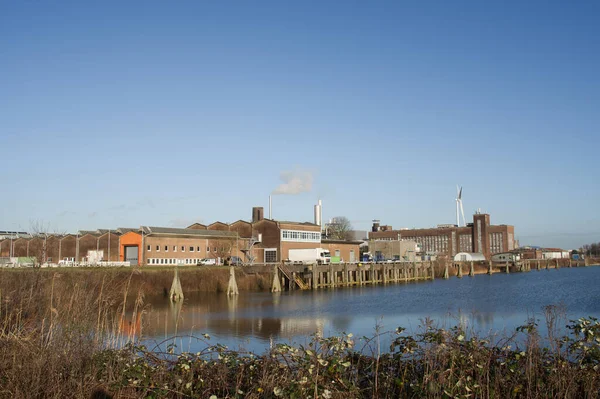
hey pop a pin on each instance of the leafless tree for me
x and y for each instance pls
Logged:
(41, 230)
(221, 248)
(340, 228)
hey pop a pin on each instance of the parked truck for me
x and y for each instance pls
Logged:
(310, 256)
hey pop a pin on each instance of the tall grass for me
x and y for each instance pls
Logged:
(64, 335)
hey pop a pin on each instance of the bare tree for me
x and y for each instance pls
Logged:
(42, 231)
(221, 248)
(340, 228)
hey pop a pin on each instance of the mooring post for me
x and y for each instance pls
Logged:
(459, 272)
(446, 274)
(416, 270)
(276, 286)
(490, 271)
(232, 288)
(507, 268)
(472, 270)
(547, 264)
(332, 277)
(432, 269)
(176, 293)
(537, 265)
(557, 265)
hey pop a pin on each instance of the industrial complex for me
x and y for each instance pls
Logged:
(262, 240)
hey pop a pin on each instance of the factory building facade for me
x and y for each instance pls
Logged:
(259, 241)
(477, 237)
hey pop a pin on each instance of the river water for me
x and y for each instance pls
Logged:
(488, 305)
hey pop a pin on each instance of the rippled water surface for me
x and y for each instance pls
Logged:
(485, 304)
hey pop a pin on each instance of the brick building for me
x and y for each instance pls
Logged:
(479, 236)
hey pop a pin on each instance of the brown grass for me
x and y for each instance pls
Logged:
(61, 334)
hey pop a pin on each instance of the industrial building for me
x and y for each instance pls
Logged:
(477, 237)
(261, 240)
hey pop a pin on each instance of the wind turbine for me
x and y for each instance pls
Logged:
(459, 207)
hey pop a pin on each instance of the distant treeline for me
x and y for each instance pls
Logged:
(591, 249)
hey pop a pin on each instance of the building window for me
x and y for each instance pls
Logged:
(191, 249)
(270, 255)
(158, 248)
(198, 249)
(166, 248)
(182, 248)
(148, 248)
(337, 253)
(300, 236)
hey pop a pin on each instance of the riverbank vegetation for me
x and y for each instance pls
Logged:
(62, 336)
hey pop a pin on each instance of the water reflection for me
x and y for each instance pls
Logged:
(481, 304)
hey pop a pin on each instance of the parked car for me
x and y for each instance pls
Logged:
(207, 262)
(234, 260)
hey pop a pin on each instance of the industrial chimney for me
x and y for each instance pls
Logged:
(318, 213)
(257, 214)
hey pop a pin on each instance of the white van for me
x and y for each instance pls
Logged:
(207, 262)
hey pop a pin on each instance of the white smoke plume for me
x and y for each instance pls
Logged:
(294, 182)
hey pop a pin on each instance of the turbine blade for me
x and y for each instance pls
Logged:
(460, 194)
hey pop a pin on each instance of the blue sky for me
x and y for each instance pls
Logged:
(160, 113)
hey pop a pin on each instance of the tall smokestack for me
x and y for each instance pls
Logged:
(270, 208)
(318, 213)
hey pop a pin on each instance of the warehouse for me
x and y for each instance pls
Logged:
(171, 246)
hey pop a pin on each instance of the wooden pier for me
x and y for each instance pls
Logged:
(314, 277)
(306, 277)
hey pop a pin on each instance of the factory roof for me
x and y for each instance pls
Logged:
(151, 230)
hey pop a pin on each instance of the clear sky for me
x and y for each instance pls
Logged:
(120, 114)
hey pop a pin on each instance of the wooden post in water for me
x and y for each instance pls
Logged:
(507, 268)
(557, 264)
(547, 264)
(332, 278)
(459, 272)
(490, 271)
(537, 265)
(232, 288)
(383, 275)
(276, 286)
(446, 274)
(176, 293)
(416, 270)
(345, 274)
(472, 270)
(432, 269)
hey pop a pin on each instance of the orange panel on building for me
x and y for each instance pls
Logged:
(130, 239)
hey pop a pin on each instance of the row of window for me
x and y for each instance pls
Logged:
(190, 248)
(161, 261)
(300, 236)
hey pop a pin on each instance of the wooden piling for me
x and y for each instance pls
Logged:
(176, 293)
(232, 288)
(472, 270)
(276, 286)
(446, 274)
